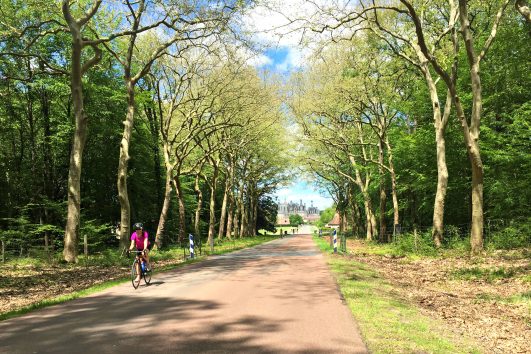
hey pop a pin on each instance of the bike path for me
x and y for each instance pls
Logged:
(278, 297)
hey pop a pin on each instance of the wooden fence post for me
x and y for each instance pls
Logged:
(85, 243)
(415, 237)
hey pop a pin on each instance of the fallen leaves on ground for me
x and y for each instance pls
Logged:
(491, 308)
(22, 286)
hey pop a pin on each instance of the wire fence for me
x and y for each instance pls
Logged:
(460, 231)
(33, 247)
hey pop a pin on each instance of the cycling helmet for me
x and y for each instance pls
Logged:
(138, 226)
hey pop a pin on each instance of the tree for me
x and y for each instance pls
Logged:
(187, 26)
(327, 215)
(295, 220)
(267, 214)
(78, 69)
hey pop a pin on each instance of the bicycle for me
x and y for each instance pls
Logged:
(144, 270)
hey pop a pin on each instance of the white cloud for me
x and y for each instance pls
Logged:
(273, 26)
(259, 60)
(295, 59)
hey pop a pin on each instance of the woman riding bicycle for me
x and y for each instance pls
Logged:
(139, 239)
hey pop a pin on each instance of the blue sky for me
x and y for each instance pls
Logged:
(284, 56)
(282, 60)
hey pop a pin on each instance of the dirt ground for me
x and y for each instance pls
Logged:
(492, 310)
(27, 285)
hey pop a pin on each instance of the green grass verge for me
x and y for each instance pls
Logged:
(388, 323)
(222, 247)
(226, 246)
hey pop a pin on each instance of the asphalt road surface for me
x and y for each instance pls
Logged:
(275, 298)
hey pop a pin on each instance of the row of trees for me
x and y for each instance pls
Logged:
(208, 123)
(392, 70)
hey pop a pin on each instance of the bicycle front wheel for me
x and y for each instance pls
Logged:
(147, 276)
(134, 274)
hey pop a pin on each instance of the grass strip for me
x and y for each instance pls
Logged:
(221, 248)
(388, 323)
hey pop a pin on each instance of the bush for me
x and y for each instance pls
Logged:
(455, 239)
(421, 244)
(99, 236)
(516, 235)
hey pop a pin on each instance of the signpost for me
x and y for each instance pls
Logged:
(335, 240)
(191, 237)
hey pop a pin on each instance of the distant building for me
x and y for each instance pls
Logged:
(286, 209)
(335, 222)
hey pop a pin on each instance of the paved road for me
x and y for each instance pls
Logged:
(275, 298)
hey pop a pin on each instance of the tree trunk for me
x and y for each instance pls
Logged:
(237, 212)
(471, 134)
(159, 238)
(394, 193)
(442, 184)
(383, 194)
(253, 229)
(212, 219)
(522, 7)
(197, 217)
(223, 215)
(357, 226)
(228, 232)
(476, 233)
(370, 219)
(182, 208)
(243, 215)
(70, 251)
(80, 135)
(440, 121)
(123, 162)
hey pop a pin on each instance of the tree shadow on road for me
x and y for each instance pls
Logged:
(116, 324)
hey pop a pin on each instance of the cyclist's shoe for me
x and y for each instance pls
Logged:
(137, 280)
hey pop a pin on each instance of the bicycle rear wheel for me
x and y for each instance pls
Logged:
(134, 274)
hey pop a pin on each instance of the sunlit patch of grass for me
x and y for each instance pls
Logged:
(24, 262)
(388, 323)
(226, 246)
